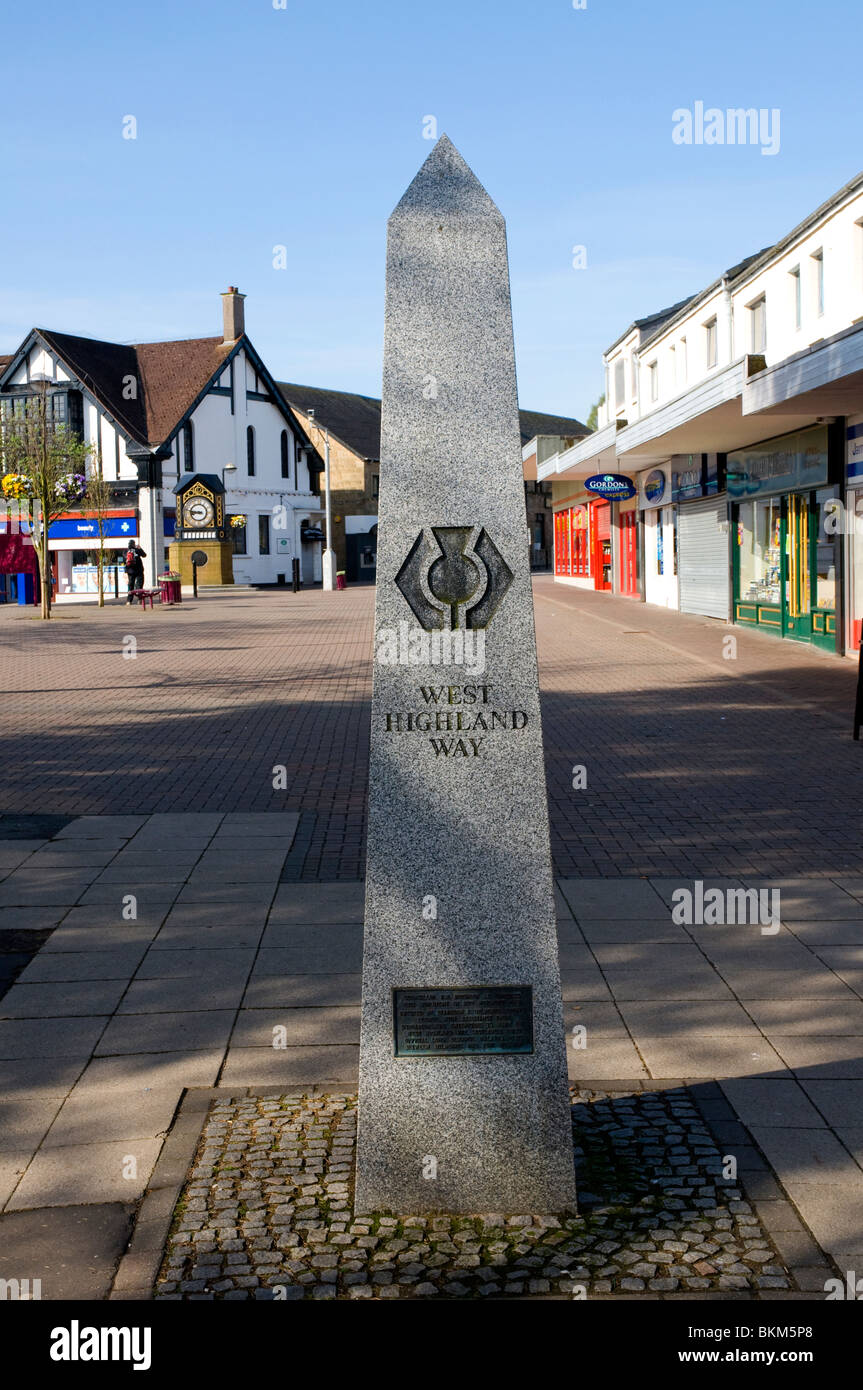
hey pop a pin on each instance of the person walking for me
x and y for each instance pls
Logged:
(134, 564)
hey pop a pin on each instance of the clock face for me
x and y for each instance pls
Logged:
(198, 512)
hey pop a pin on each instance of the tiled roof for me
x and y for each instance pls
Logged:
(170, 376)
(356, 420)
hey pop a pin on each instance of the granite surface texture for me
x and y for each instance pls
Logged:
(459, 886)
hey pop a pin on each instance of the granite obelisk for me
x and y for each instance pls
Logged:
(463, 1103)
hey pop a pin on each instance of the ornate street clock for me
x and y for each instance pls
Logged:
(202, 524)
(200, 508)
(198, 512)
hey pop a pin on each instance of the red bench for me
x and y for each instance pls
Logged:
(146, 596)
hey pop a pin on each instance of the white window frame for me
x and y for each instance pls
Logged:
(797, 292)
(711, 343)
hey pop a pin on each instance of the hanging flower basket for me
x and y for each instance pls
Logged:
(71, 489)
(238, 520)
(17, 486)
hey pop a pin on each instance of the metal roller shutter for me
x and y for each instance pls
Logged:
(702, 543)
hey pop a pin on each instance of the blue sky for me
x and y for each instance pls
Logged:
(302, 127)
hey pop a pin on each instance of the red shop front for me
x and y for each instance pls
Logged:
(572, 542)
(628, 576)
(600, 543)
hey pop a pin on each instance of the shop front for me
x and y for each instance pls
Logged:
(627, 549)
(659, 536)
(786, 551)
(854, 529)
(572, 544)
(698, 492)
(600, 543)
(75, 544)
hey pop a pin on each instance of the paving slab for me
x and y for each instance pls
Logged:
(150, 895)
(118, 963)
(38, 1078)
(303, 991)
(78, 1174)
(303, 1027)
(24, 1121)
(43, 1037)
(213, 963)
(807, 1155)
(68, 999)
(224, 895)
(334, 950)
(13, 1166)
(612, 898)
(32, 918)
(702, 1018)
(641, 931)
(113, 1113)
(695, 981)
(73, 1250)
(840, 1102)
(776, 1102)
(823, 1059)
(208, 927)
(295, 1066)
(846, 932)
(839, 1017)
(177, 1032)
(810, 898)
(184, 994)
(318, 904)
(729, 1056)
(158, 1070)
(84, 936)
(95, 827)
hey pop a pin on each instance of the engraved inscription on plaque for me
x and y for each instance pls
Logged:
(464, 1021)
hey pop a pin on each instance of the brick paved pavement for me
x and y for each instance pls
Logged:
(696, 764)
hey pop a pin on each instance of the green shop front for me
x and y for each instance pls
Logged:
(785, 549)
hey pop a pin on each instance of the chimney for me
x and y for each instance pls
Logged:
(233, 317)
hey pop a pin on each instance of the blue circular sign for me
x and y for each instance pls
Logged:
(614, 486)
(654, 487)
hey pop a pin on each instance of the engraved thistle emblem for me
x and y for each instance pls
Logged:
(454, 577)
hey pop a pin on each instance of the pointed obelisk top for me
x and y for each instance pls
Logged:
(446, 184)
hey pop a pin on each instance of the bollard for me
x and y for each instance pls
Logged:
(295, 576)
(194, 580)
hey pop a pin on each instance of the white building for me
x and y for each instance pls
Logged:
(155, 411)
(748, 397)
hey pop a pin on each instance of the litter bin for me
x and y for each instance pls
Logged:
(169, 589)
(340, 579)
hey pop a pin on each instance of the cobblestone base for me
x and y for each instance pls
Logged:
(268, 1213)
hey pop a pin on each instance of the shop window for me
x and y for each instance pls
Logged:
(825, 552)
(238, 540)
(710, 344)
(855, 546)
(285, 453)
(660, 543)
(264, 533)
(759, 533)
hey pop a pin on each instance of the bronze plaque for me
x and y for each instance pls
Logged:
(464, 1021)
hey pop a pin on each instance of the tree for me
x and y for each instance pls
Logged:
(593, 417)
(96, 503)
(44, 466)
